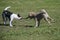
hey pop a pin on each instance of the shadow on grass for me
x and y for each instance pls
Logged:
(3, 24)
(15, 25)
(28, 26)
(25, 25)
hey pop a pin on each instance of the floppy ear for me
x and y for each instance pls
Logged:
(18, 15)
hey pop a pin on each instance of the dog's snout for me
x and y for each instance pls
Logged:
(21, 17)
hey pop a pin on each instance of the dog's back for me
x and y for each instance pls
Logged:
(7, 13)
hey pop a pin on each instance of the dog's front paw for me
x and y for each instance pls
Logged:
(35, 26)
(11, 25)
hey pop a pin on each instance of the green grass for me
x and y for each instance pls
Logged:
(19, 31)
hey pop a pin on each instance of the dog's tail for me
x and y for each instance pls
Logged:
(7, 8)
(43, 11)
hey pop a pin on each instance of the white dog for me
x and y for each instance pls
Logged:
(9, 15)
(39, 16)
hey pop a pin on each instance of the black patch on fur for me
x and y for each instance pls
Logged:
(39, 16)
(6, 14)
(19, 15)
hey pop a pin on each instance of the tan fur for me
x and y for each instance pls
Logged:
(38, 16)
(32, 13)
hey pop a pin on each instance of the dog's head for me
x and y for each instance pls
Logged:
(31, 15)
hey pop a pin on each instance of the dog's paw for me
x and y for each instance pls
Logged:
(35, 26)
(11, 26)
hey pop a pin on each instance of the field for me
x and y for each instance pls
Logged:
(19, 31)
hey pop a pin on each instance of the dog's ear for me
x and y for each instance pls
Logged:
(18, 15)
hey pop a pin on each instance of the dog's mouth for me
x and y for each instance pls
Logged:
(21, 18)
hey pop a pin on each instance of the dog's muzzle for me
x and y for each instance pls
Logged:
(20, 18)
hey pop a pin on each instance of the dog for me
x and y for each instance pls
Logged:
(6, 14)
(39, 16)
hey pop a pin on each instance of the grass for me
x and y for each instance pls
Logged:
(19, 31)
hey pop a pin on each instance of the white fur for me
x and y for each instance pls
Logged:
(14, 16)
(46, 16)
(7, 8)
(36, 24)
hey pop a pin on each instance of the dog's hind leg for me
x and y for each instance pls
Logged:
(38, 23)
(4, 18)
(52, 20)
(46, 19)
